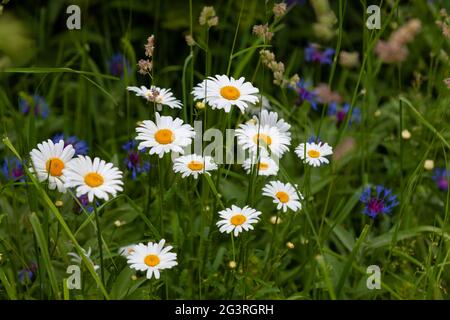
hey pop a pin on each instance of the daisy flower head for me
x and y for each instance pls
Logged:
(266, 166)
(193, 165)
(160, 96)
(315, 153)
(78, 259)
(127, 250)
(152, 258)
(237, 219)
(164, 136)
(268, 133)
(96, 178)
(378, 200)
(284, 195)
(48, 162)
(255, 109)
(223, 92)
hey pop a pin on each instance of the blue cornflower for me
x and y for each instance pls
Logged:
(441, 177)
(27, 102)
(80, 146)
(133, 160)
(28, 273)
(314, 54)
(84, 201)
(341, 112)
(313, 139)
(12, 169)
(118, 64)
(305, 94)
(378, 201)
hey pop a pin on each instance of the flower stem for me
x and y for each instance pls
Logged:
(99, 241)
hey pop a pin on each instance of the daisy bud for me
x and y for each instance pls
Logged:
(377, 113)
(290, 245)
(200, 105)
(232, 264)
(274, 220)
(119, 223)
(133, 277)
(406, 134)
(59, 203)
(428, 164)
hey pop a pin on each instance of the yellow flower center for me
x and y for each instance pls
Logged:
(54, 166)
(238, 219)
(230, 93)
(164, 136)
(151, 260)
(263, 166)
(313, 153)
(93, 179)
(264, 139)
(195, 165)
(282, 196)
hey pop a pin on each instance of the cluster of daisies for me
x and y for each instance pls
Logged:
(267, 138)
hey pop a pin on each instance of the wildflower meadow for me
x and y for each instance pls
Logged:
(240, 149)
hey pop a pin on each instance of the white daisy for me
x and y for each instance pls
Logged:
(269, 133)
(127, 250)
(93, 177)
(161, 96)
(165, 135)
(194, 165)
(236, 219)
(284, 195)
(315, 153)
(256, 108)
(222, 92)
(152, 258)
(266, 165)
(78, 260)
(48, 162)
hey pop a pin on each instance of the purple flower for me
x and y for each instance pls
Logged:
(85, 204)
(441, 177)
(378, 200)
(314, 139)
(28, 273)
(80, 146)
(340, 112)
(27, 102)
(12, 169)
(314, 54)
(133, 160)
(118, 64)
(305, 94)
